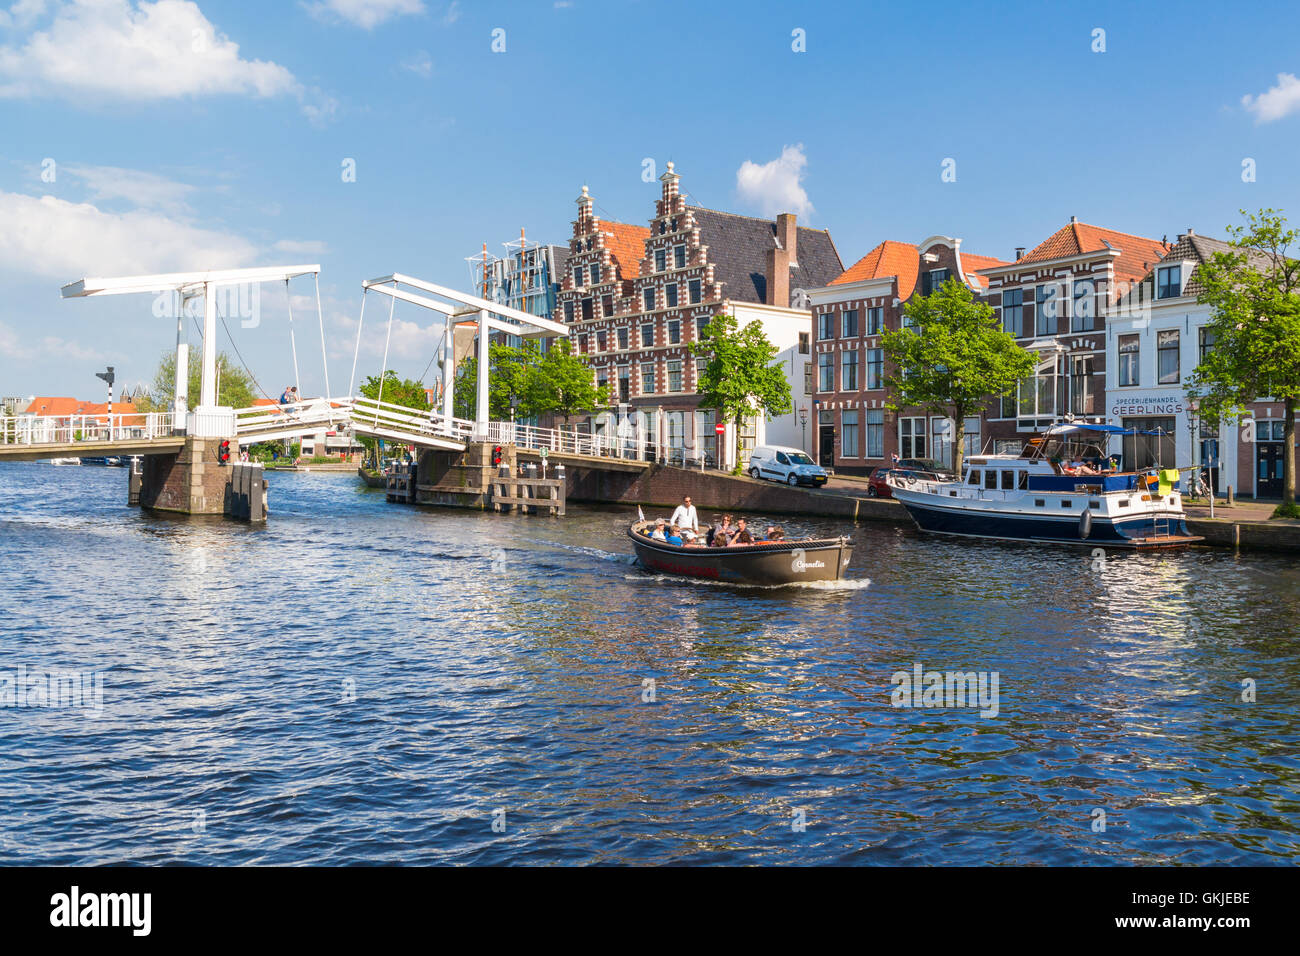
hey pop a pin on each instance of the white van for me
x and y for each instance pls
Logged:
(779, 463)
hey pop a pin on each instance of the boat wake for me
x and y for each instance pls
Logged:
(847, 584)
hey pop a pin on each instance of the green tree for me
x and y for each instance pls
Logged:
(740, 380)
(513, 375)
(564, 384)
(1254, 296)
(950, 356)
(396, 391)
(235, 386)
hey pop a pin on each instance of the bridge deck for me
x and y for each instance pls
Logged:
(93, 449)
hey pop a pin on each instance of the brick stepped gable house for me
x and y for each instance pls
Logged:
(1155, 338)
(636, 296)
(1056, 300)
(855, 433)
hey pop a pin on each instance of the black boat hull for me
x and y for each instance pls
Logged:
(794, 562)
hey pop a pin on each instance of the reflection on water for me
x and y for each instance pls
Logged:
(358, 681)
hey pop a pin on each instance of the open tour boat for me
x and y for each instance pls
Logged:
(783, 562)
(1062, 488)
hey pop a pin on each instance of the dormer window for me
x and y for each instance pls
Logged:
(1169, 282)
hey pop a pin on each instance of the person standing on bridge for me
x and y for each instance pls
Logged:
(685, 517)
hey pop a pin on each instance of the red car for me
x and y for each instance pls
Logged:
(876, 486)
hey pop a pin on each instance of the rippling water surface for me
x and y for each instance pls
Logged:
(359, 682)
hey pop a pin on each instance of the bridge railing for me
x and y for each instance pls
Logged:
(307, 416)
(558, 441)
(69, 429)
(371, 416)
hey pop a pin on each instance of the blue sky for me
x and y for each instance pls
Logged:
(212, 134)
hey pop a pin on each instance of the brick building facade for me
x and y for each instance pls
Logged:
(1056, 300)
(854, 432)
(637, 296)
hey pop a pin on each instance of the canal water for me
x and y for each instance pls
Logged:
(360, 682)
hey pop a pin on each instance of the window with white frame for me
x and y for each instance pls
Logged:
(647, 378)
(849, 323)
(825, 326)
(849, 370)
(661, 260)
(849, 434)
(670, 295)
(1130, 356)
(1169, 282)
(825, 372)
(875, 423)
(1082, 318)
(875, 320)
(875, 368)
(679, 257)
(912, 434)
(675, 375)
(1167, 349)
(648, 299)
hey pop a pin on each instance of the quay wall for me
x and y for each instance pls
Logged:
(461, 480)
(665, 486)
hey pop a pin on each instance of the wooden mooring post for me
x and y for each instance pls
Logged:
(530, 494)
(401, 484)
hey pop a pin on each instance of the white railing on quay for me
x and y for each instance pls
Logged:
(559, 441)
(70, 429)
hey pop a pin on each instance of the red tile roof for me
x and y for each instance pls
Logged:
(626, 245)
(63, 406)
(1137, 254)
(890, 258)
(973, 263)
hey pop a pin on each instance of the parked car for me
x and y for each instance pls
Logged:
(877, 486)
(779, 463)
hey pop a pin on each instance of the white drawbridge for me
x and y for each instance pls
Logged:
(370, 416)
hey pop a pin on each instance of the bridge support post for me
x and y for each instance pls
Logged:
(191, 482)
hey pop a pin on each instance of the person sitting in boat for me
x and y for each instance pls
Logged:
(658, 532)
(742, 535)
(1086, 468)
(724, 532)
(674, 535)
(774, 534)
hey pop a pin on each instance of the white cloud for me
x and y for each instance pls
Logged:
(776, 187)
(22, 14)
(453, 13)
(1275, 102)
(147, 190)
(64, 240)
(563, 4)
(50, 346)
(366, 14)
(305, 247)
(135, 51)
(421, 64)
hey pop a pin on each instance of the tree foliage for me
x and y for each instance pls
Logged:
(558, 381)
(1254, 296)
(950, 356)
(740, 380)
(235, 387)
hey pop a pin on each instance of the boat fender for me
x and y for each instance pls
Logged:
(1085, 524)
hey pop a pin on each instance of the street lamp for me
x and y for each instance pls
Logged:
(108, 376)
(514, 405)
(803, 425)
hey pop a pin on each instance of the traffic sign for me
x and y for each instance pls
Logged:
(719, 428)
(544, 452)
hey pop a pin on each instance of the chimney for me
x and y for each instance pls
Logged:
(780, 259)
(1020, 253)
(1074, 219)
(1191, 231)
